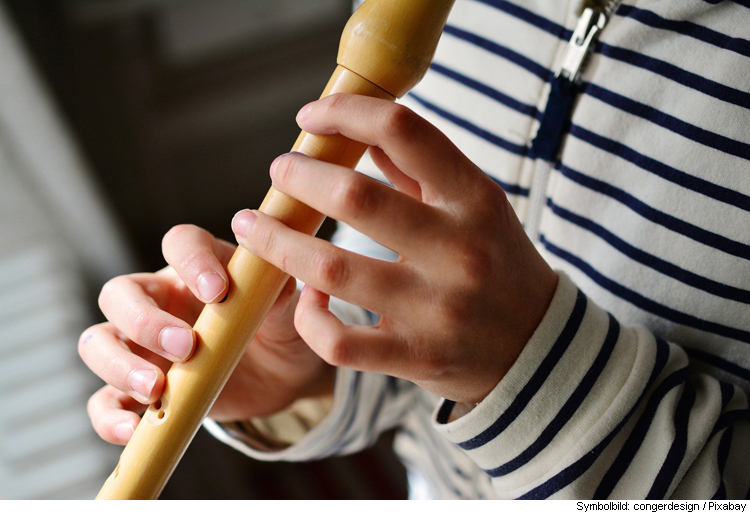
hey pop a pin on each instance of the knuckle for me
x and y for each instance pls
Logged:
(140, 324)
(285, 260)
(477, 264)
(400, 122)
(356, 198)
(264, 241)
(434, 367)
(339, 351)
(459, 309)
(333, 102)
(190, 260)
(427, 364)
(331, 270)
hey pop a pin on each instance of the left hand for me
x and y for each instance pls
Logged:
(469, 288)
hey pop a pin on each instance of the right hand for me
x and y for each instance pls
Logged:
(149, 327)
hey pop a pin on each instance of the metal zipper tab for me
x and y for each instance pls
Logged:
(589, 24)
(557, 113)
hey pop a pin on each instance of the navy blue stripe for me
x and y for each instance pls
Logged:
(724, 447)
(662, 266)
(678, 75)
(570, 407)
(501, 51)
(514, 148)
(530, 17)
(575, 470)
(504, 99)
(537, 380)
(633, 443)
(728, 418)
(444, 413)
(520, 150)
(719, 362)
(683, 179)
(556, 120)
(510, 188)
(744, 3)
(645, 303)
(684, 27)
(727, 393)
(721, 461)
(676, 454)
(669, 71)
(687, 130)
(691, 231)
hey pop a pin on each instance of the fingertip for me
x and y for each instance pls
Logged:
(177, 342)
(123, 432)
(310, 306)
(145, 384)
(304, 113)
(288, 291)
(242, 222)
(315, 297)
(211, 286)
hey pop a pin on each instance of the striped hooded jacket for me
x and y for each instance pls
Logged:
(635, 384)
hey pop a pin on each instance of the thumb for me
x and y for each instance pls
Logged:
(281, 315)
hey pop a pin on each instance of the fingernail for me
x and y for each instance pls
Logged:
(177, 342)
(210, 286)
(304, 112)
(124, 431)
(142, 382)
(242, 222)
(274, 163)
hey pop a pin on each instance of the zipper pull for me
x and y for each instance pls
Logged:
(589, 24)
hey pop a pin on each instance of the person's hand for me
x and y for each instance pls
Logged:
(150, 317)
(469, 288)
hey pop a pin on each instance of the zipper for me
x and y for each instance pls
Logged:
(590, 23)
(557, 113)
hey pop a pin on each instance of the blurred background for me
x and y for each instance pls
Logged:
(118, 120)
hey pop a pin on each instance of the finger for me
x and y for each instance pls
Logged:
(128, 302)
(363, 281)
(390, 217)
(109, 357)
(394, 175)
(363, 348)
(415, 146)
(199, 259)
(114, 415)
(136, 305)
(283, 309)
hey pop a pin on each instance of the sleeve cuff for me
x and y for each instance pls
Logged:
(557, 390)
(306, 430)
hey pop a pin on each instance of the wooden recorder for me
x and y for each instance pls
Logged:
(385, 50)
